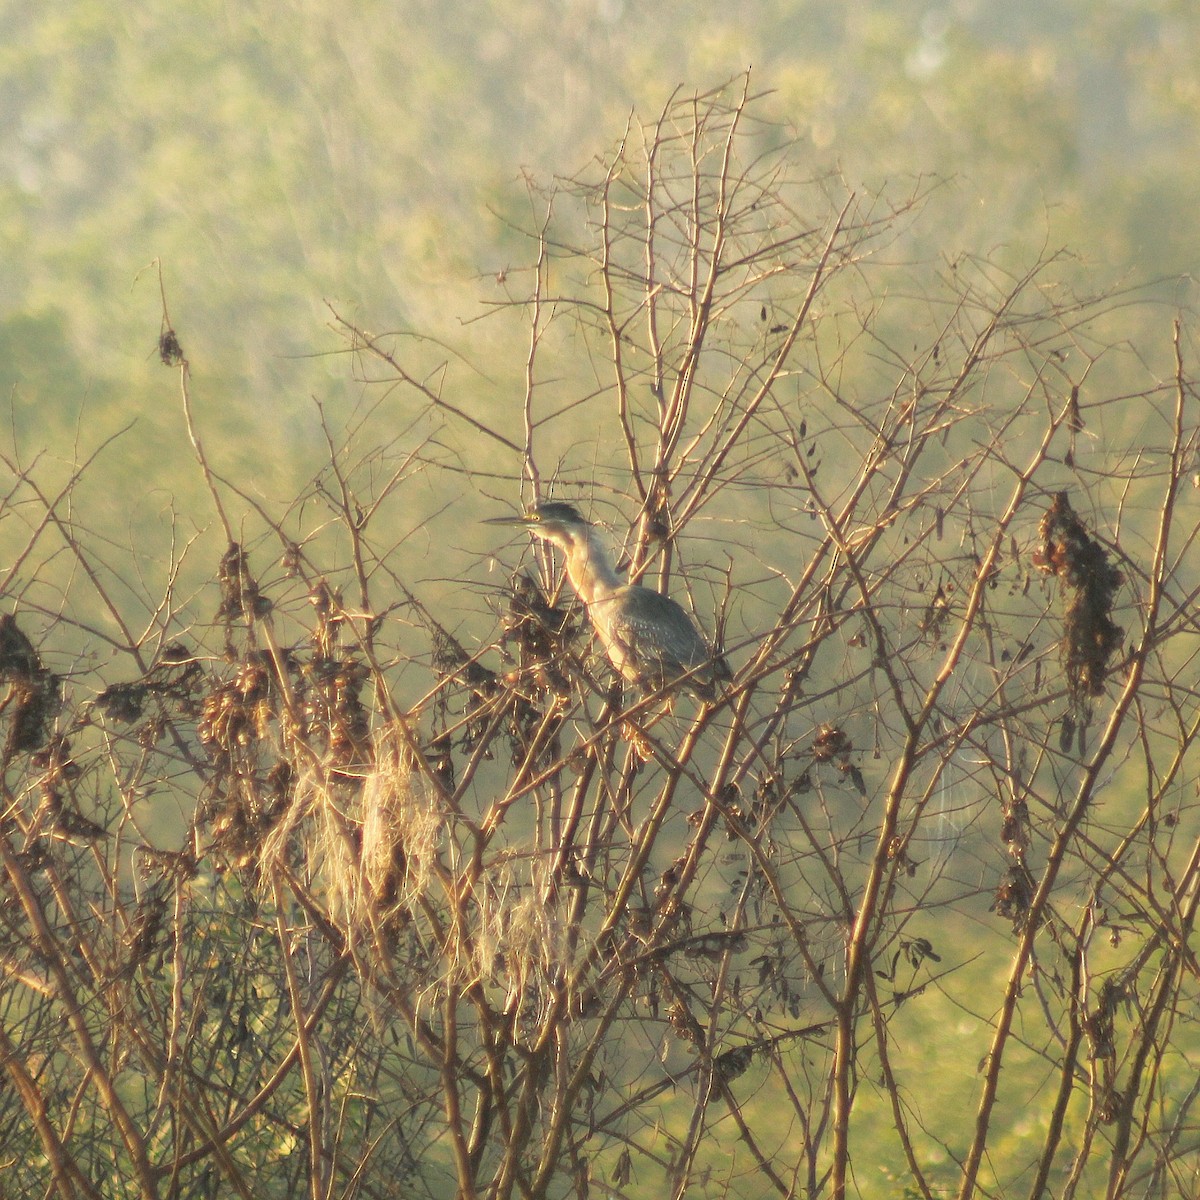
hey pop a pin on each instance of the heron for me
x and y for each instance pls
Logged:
(647, 636)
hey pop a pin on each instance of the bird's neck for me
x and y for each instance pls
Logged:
(590, 570)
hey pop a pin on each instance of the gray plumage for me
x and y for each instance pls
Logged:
(649, 638)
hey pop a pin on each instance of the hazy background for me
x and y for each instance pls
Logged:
(273, 156)
(276, 156)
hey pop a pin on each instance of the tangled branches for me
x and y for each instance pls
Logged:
(362, 872)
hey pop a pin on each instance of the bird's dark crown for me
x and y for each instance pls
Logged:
(556, 510)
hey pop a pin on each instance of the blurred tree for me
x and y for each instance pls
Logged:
(273, 155)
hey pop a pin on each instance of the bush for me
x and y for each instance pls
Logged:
(447, 910)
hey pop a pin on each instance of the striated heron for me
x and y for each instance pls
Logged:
(647, 636)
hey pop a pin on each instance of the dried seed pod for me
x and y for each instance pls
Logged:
(1090, 581)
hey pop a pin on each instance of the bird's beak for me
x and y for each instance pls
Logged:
(521, 520)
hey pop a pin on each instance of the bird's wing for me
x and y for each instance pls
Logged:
(654, 630)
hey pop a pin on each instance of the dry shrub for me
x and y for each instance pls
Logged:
(346, 881)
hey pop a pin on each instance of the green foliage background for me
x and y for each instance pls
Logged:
(274, 154)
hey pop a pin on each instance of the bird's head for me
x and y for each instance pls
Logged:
(561, 524)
